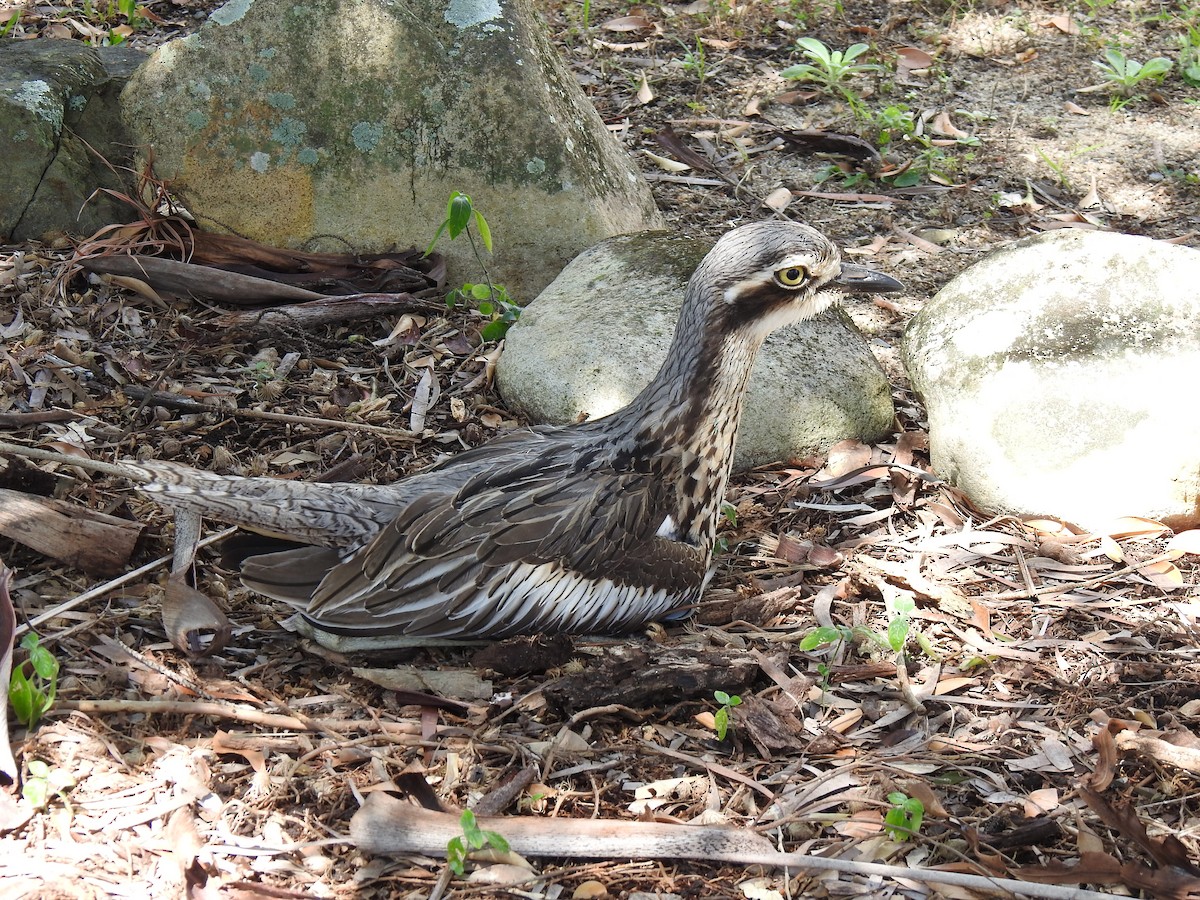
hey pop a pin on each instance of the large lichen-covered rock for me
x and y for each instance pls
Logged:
(597, 335)
(1059, 375)
(56, 99)
(352, 122)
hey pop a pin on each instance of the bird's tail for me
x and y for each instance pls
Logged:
(333, 515)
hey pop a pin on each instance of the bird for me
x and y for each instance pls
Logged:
(594, 528)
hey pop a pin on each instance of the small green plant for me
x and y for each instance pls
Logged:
(891, 124)
(43, 784)
(897, 631)
(721, 719)
(459, 213)
(831, 69)
(34, 682)
(1124, 75)
(491, 299)
(8, 26)
(729, 511)
(473, 838)
(903, 820)
(695, 62)
(132, 13)
(1189, 57)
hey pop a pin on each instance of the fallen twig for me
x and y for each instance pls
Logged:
(390, 826)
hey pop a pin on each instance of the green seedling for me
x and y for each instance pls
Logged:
(695, 62)
(903, 820)
(473, 838)
(34, 682)
(830, 69)
(721, 719)
(491, 299)
(43, 784)
(1124, 75)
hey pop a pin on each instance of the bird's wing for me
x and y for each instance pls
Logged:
(450, 563)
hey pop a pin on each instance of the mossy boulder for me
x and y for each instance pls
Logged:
(348, 124)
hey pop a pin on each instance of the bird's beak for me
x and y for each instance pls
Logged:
(861, 280)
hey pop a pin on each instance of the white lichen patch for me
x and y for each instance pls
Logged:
(260, 162)
(38, 97)
(466, 13)
(230, 12)
(366, 135)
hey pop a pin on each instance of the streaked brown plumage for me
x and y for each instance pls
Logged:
(598, 527)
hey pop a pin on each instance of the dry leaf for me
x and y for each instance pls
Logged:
(1111, 549)
(644, 94)
(1133, 526)
(590, 890)
(1185, 542)
(862, 824)
(913, 58)
(1075, 109)
(628, 23)
(778, 199)
(705, 720)
(942, 125)
(950, 684)
(1062, 22)
(620, 48)
(1164, 575)
(1040, 802)
(667, 165)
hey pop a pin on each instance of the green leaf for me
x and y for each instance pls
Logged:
(494, 331)
(801, 72)
(486, 308)
(456, 856)
(37, 792)
(729, 511)
(20, 695)
(814, 49)
(485, 232)
(897, 632)
(735, 700)
(458, 214)
(819, 636)
(1156, 68)
(721, 722)
(1116, 59)
(437, 234)
(855, 51)
(44, 663)
(480, 291)
(470, 828)
(496, 841)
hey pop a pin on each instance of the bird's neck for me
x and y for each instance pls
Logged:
(684, 423)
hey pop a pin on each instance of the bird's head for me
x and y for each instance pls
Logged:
(766, 275)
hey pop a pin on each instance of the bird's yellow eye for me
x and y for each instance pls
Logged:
(792, 276)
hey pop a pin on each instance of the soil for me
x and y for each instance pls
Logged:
(1045, 675)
